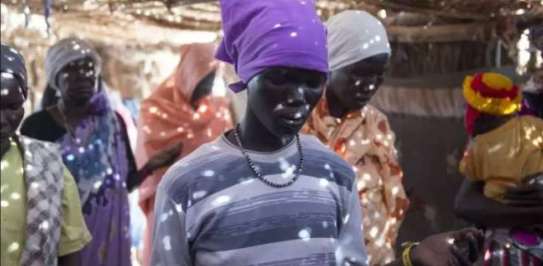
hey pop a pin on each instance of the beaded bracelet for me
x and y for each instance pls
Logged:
(406, 253)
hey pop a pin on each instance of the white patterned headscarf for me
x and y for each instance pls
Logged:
(355, 35)
(66, 51)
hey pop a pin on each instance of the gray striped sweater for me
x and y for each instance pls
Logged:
(210, 210)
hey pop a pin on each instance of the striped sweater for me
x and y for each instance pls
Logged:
(211, 210)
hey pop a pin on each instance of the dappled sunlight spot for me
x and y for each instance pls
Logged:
(346, 218)
(166, 243)
(325, 224)
(374, 231)
(4, 165)
(221, 200)
(305, 234)
(97, 185)
(13, 247)
(208, 173)
(324, 182)
(163, 217)
(395, 190)
(70, 157)
(247, 181)
(15, 196)
(199, 194)
(179, 207)
(34, 185)
(44, 226)
(4, 204)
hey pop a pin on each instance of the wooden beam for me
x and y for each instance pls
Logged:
(441, 33)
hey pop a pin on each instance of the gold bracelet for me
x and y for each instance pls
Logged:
(406, 253)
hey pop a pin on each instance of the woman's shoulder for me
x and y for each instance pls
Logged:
(42, 126)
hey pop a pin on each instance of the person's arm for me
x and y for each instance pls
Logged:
(459, 248)
(163, 158)
(351, 239)
(473, 206)
(170, 243)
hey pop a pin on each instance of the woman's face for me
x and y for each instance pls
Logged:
(78, 81)
(11, 109)
(355, 85)
(282, 98)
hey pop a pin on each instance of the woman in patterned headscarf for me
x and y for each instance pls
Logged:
(95, 147)
(358, 51)
(41, 212)
(180, 113)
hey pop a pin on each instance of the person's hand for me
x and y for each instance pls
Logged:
(459, 248)
(527, 195)
(165, 157)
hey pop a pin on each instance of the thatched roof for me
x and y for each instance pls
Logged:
(204, 14)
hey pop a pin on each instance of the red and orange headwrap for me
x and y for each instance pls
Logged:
(490, 93)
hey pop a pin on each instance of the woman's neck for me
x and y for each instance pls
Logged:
(72, 112)
(256, 137)
(334, 105)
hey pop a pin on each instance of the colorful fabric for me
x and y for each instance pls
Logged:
(513, 247)
(167, 117)
(355, 35)
(210, 210)
(13, 62)
(66, 51)
(264, 34)
(97, 156)
(364, 139)
(506, 156)
(489, 93)
(49, 223)
(44, 180)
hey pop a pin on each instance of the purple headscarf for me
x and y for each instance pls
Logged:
(272, 33)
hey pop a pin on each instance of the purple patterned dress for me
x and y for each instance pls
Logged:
(96, 154)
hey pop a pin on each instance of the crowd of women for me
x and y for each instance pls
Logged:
(255, 192)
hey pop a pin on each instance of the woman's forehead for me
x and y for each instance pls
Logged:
(84, 61)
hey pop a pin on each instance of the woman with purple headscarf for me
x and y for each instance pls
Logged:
(95, 148)
(261, 194)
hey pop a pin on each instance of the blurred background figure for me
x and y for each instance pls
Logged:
(181, 114)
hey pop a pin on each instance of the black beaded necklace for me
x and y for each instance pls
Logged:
(259, 175)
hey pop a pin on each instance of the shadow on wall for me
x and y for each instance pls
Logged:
(430, 149)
